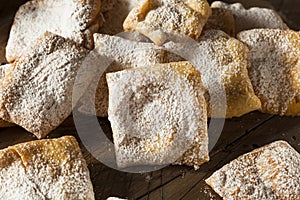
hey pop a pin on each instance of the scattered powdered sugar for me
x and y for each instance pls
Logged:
(4, 69)
(275, 70)
(45, 169)
(37, 94)
(246, 19)
(155, 117)
(154, 18)
(73, 19)
(222, 62)
(270, 172)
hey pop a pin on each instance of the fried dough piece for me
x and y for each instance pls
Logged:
(158, 115)
(218, 56)
(221, 19)
(269, 172)
(254, 17)
(37, 93)
(45, 169)
(73, 19)
(275, 70)
(121, 54)
(155, 18)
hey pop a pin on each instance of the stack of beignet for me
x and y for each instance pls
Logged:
(155, 92)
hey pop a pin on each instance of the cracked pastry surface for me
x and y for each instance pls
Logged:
(275, 68)
(251, 18)
(269, 172)
(222, 62)
(155, 18)
(73, 19)
(37, 93)
(51, 169)
(158, 115)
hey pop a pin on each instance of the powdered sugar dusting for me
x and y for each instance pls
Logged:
(246, 19)
(275, 71)
(154, 18)
(45, 169)
(222, 62)
(270, 172)
(155, 117)
(37, 94)
(73, 19)
(117, 54)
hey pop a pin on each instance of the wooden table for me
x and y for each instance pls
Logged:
(240, 135)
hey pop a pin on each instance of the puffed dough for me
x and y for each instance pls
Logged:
(246, 19)
(158, 115)
(45, 169)
(275, 68)
(222, 61)
(74, 19)
(37, 93)
(155, 18)
(120, 54)
(269, 172)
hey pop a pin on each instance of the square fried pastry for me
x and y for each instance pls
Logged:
(3, 70)
(158, 115)
(73, 19)
(155, 18)
(269, 172)
(254, 17)
(51, 169)
(221, 19)
(115, 54)
(37, 93)
(222, 62)
(275, 68)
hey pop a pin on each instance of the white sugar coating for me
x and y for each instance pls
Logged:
(156, 117)
(115, 16)
(254, 17)
(73, 19)
(117, 54)
(37, 93)
(3, 70)
(155, 18)
(222, 62)
(52, 169)
(269, 172)
(275, 68)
